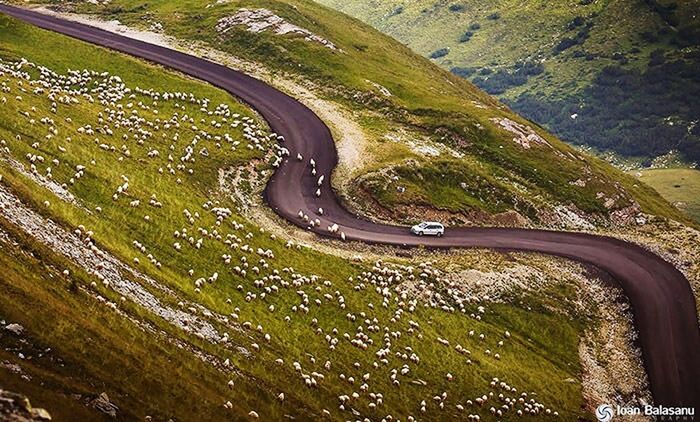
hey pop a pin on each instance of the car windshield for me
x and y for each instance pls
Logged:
(422, 225)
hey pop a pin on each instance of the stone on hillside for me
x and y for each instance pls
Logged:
(16, 407)
(103, 404)
(15, 329)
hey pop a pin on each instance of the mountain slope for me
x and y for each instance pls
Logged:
(614, 75)
(485, 171)
(149, 310)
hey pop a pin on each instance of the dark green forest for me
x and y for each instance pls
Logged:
(630, 112)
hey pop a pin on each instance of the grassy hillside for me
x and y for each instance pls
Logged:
(205, 304)
(626, 70)
(391, 90)
(678, 185)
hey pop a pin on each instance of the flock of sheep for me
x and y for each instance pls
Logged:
(131, 126)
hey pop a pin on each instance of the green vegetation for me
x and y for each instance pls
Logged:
(423, 98)
(77, 346)
(679, 186)
(149, 366)
(635, 92)
(455, 187)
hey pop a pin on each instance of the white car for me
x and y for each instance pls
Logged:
(429, 228)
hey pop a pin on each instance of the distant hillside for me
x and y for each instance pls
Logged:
(615, 75)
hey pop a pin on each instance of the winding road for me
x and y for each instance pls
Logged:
(661, 298)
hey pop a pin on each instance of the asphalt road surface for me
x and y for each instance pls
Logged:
(662, 301)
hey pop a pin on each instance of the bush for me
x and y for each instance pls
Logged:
(500, 81)
(360, 47)
(456, 8)
(475, 26)
(529, 68)
(464, 72)
(565, 44)
(687, 36)
(575, 23)
(494, 16)
(666, 11)
(568, 42)
(439, 53)
(649, 37)
(466, 36)
(397, 11)
(620, 57)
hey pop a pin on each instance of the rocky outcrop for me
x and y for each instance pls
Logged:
(104, 266)
(259, 20)
(525, 136)
(15, 407)
(105, 406)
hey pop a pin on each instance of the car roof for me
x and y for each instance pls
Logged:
(432, 222)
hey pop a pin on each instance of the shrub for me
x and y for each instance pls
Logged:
(565, 44)
(657, 57)
(494, 16)
(360, 47)
(575, 23)
(464, 72)
(397, 11)
(439, 53)
(530, 68)
(568, 42)
(687, 36)
(466, 36)
(500, 81)
(619, 57)
(456, 8)
(649, 36)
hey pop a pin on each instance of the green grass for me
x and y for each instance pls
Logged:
(144, 373)
(93, 350)
(425, 99)
(453, 187)
(678, 185)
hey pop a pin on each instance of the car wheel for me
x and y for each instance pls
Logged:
(439, 234)
(420, 233)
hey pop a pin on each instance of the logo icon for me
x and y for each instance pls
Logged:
(604, 413)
